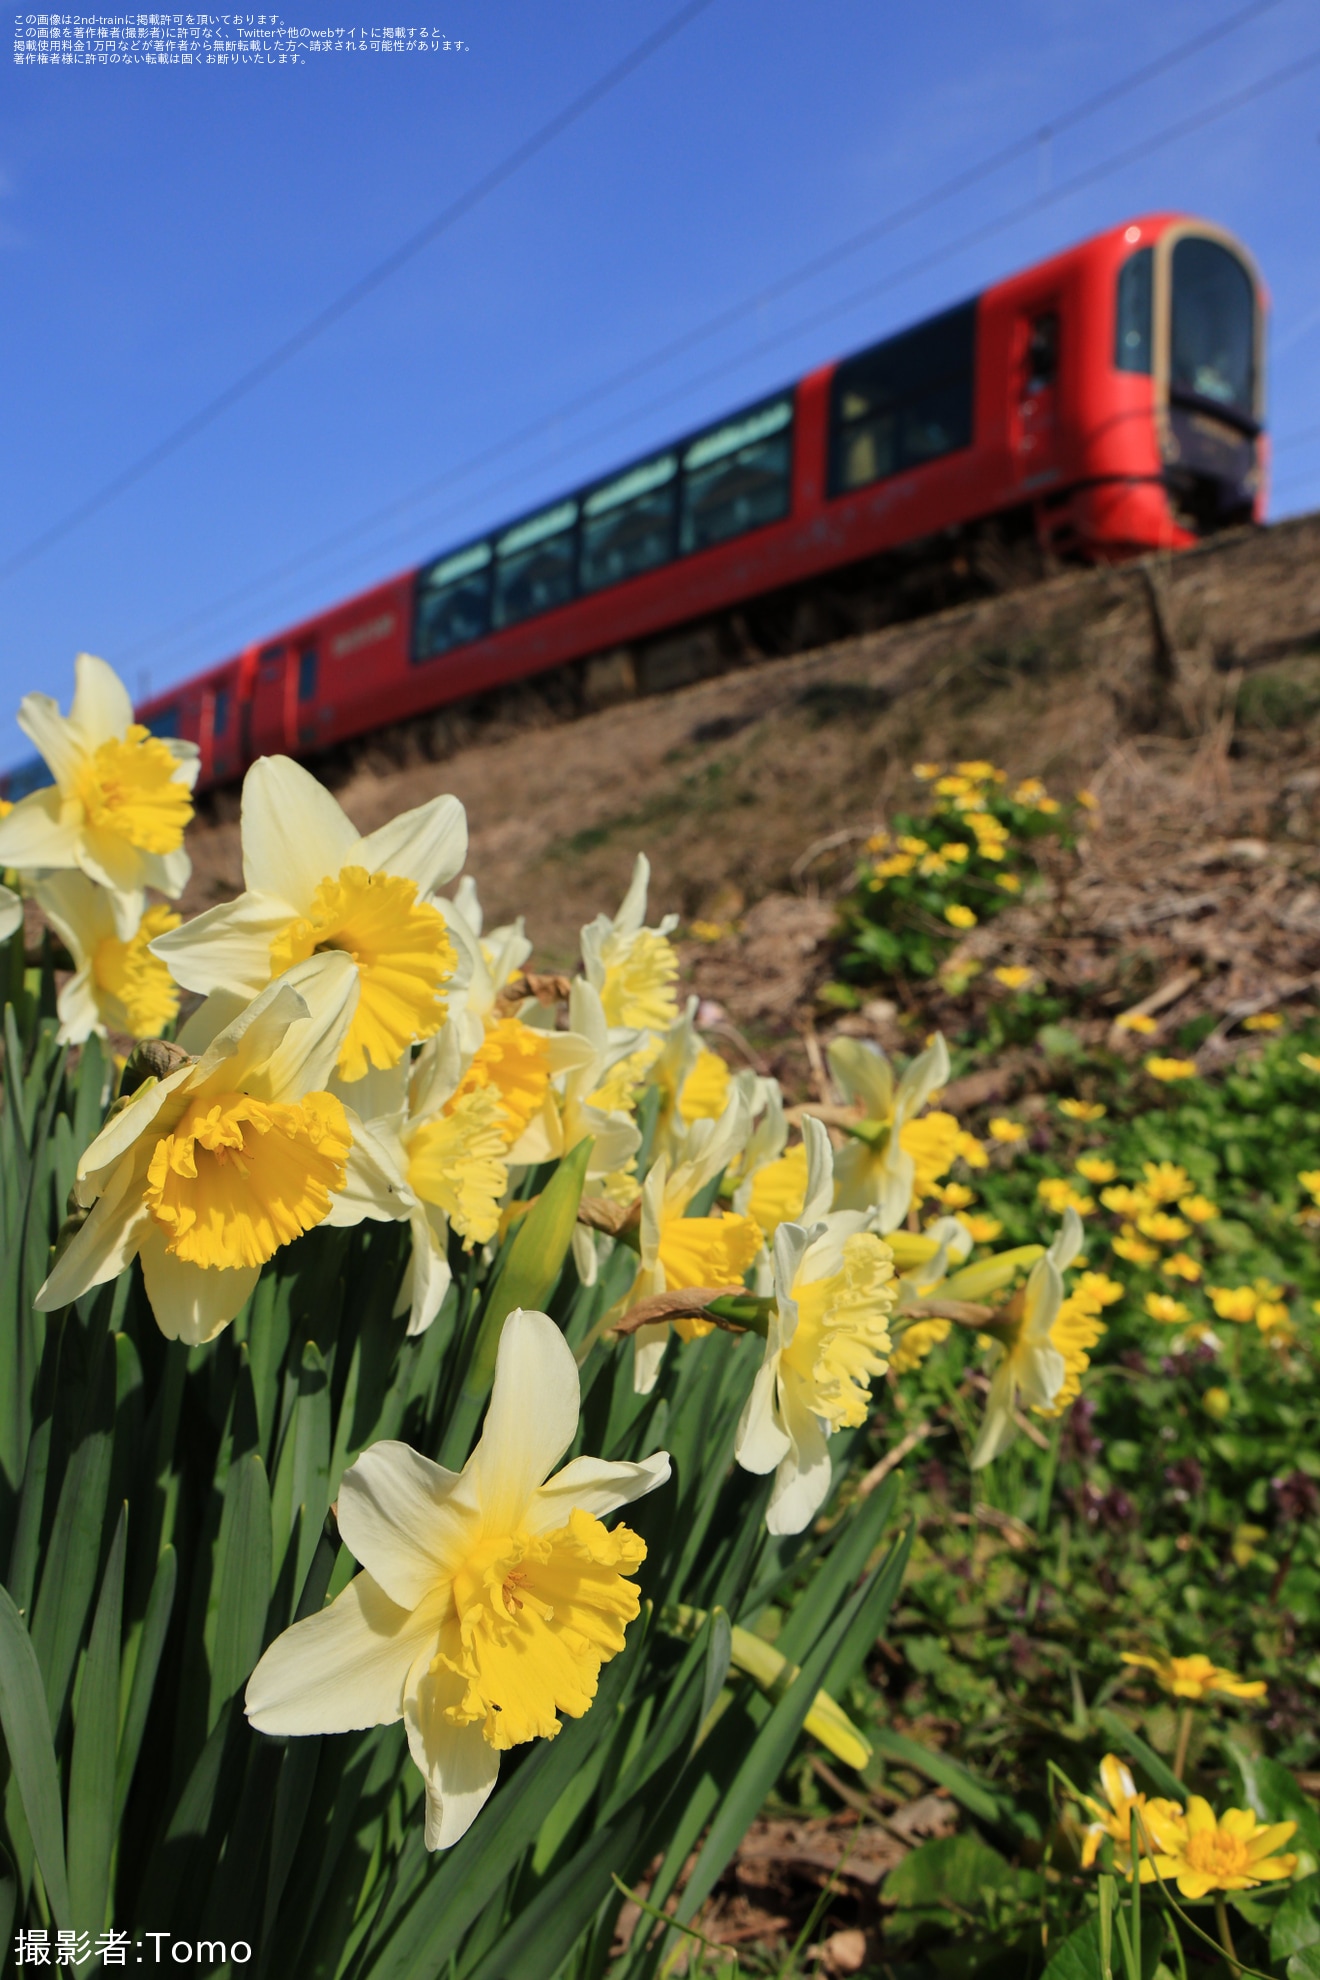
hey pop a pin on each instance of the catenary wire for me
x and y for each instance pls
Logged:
(358, 291)
(986, 230)
(817, 265)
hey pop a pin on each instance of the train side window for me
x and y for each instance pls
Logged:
(738, 476)
(307, 674)
(628, 523)
(220, 712)
(904, 402)
(1043, 352)
(165, 721)
(534, 567)
(1132, 329)
(453, 602)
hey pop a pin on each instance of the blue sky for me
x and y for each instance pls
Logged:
(163, 229)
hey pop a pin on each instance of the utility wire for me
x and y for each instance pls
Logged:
(358, 291)
(1039, 202)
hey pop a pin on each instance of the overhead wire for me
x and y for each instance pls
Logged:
(922, 264)
(357, 291)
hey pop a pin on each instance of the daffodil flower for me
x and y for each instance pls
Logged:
(205, 1173)
(315, 888)
(678, 1250)
(11, 913)
(874, 1170)
(488, 1599)
(1028, 1362)
(491, 961)
(117, 984)
(120, 800)
(633, 967)
(827, 1338)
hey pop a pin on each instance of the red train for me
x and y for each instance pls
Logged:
(1107, 402)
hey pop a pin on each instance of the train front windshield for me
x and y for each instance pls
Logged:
(1212, 361)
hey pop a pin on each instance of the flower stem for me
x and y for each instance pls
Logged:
(1225, 1936)
(1185, 1718)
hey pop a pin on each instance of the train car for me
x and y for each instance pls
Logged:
(1105, 403)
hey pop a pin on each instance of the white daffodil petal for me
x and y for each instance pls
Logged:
(169, 873)
(458, 1764)
(928, 1072)
(106, 1242)
(101, 708)
(59, 743)
(428, 1278)
(210, 1019)
(305, 1057)
(294, 834)
(762, 1442)
(649, 1344)
(406, 1519)
(427, 846)
(802, 1482)
(112, 862)
(595, 1486)
(34, 835)
(79, 1012)
(77, 909)
(344, 1669)
(226, 948)
(632, 908)
(192, 1303)
(123, 1128)
(998, 1428)
(375, 1186)
(11, 913)
(531, 1420)
(864, 1073)
(820, 1170)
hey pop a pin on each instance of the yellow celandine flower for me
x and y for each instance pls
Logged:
(1058, 1195)
(1310, 1181)
(980, 772)
(1180, 1266)
(1096, 1169)
(953, 786)
(1008, 1132)
(1164, 1182)
(895, 866)
(876, 843)
(487, 1600)
(120, 800)
(117, 984)
(1048, 806)
(1233, 1303)
(1014, 976)
(633, 968)
(957, 852)
(918, 1341)
(1140, 1022)
(705, 1092)
(1199, 1208)
(926, 771)
(1027, 1361)
(983, 1230)
(1264, 1021)
(1217, 1403)
(1194, 1677)
(1234, 1851)
(1088, 800)
(1083, 1110)
(316, 889)
(827, 1339)
(779, 1190)
(1158, 1224)
(708, 931)
(954, 1196)
(1029, 791)
(205, 1173)
(1272, 1317)
(932, 865)
(1309, 1060)
(1245, 1544)
(1135, 1249)
(1162, 1306)
(1112, 1818)
(1168, 1071)
(1126, 1202)
(959, 916)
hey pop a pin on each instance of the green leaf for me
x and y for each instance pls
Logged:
(68, 1579)
(1297, 1921)
(951, 1871)
(975, 1794)
(1078, 1958)
(719, 1655)
(25, 1719)
(1305, 1965)
(151, 1642)
(527, 1278)
(1124, 1740)
(241, 1583)
(8, 1896)
(92, 1767)
(302, 1475)
(1271, 1791)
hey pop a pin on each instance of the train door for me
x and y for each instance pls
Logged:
(267, 716)
(1036, 397)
